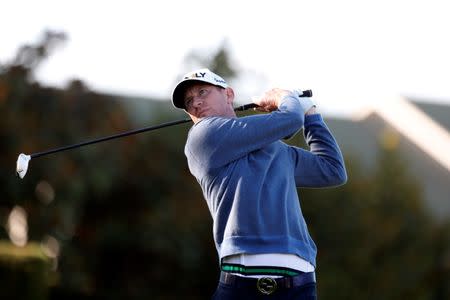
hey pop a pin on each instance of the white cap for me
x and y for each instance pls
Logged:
(202, 75)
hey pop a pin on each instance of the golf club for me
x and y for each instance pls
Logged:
(23, 160)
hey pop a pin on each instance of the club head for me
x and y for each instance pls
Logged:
(22, 165)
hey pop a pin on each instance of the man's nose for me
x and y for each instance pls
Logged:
(197, 102)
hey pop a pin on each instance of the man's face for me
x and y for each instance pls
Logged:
(205, 100)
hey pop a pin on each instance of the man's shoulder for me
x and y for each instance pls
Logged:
(209, 124)
(202, 129)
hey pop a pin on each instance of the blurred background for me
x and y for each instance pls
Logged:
(125, 219)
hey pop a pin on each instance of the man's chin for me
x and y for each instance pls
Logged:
(206, 114)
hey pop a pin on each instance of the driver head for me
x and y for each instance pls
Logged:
(22, 164)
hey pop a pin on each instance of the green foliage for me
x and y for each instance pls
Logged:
(127, 214)
(24, 272)
(374, 239)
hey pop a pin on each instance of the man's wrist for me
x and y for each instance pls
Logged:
(311, 111)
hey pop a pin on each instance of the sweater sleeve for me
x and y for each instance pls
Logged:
(323, 165)
(215, 141)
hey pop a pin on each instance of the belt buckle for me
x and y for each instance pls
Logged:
(266, 285)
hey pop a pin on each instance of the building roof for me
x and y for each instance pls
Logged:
(420, 132)
(438, 112)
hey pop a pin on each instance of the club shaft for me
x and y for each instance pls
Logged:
(115, 136)
(306, 93)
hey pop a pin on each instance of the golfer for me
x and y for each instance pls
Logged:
(249, 178)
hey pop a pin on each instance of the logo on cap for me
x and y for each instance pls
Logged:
(219, 80)
(195, 75)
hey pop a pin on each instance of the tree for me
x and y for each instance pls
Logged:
(373, 236)
(218, 62)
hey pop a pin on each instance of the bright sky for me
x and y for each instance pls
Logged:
(348, 52)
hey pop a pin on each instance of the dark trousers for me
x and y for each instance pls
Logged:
(305, 292)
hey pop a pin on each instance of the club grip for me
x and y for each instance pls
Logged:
(305, 93)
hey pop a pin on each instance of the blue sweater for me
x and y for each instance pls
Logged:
(249, 177)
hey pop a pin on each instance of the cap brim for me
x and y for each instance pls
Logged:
(178, 92)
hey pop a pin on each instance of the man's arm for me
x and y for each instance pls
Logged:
(216, 141)
(323, 165)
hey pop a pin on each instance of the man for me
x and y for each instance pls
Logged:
(249, 179)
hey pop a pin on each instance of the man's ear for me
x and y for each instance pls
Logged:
(230, 95)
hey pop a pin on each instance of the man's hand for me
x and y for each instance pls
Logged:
(270, 100)
(307, 103)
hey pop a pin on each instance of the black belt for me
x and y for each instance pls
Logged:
(267, 285)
